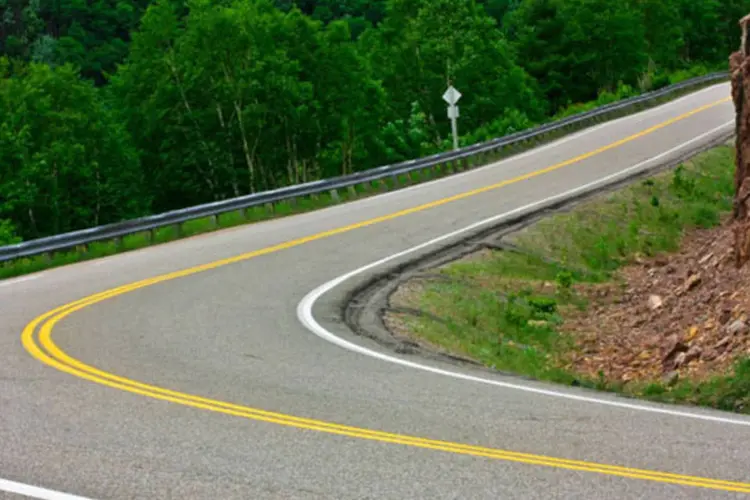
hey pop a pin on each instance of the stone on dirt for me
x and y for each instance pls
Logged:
(654, 302)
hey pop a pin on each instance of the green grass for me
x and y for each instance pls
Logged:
(285, 208)
(504, 308)
(497, 320)
(647, 218)
(190, 228)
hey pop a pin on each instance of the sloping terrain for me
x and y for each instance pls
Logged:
(634, 291)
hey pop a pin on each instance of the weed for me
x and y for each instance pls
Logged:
(543, 305)
(520, 333)
(564, 280)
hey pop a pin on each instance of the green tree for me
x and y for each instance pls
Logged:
(352, 104)
(664, 32)
(65, 163)
(423, 46)
(578, 48)
(243, 97)
(7, 233)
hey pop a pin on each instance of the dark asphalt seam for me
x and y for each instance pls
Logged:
(364, 305)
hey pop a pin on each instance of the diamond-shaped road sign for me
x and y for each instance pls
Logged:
(451, 95)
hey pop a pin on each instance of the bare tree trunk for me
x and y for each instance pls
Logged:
(189, 109)
(98, 208)
(739, 63)
(246, 148)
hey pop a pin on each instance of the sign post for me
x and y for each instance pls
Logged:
(451, 96)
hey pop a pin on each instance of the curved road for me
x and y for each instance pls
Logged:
(214, 382)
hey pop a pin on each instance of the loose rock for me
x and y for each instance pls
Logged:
(670, 378)
(710, 355)
(705, 258)
(725, 316)
(674, 348)
(738, 327)
(680, 360)
(693, 354)
(693, 281)
(723, 343)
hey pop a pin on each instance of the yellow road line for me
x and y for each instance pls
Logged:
(115, 381)
(58, 359)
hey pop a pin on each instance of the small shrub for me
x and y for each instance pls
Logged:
(564, 280)
(543, 305)
(704, 216)
(682, 186)
(515, 314)
(654, 389)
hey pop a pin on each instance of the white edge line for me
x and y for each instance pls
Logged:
(305, 316)
(14, 281)
(304, 308)
(36, 492)
(637, 117)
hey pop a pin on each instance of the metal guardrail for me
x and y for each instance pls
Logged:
(444, 163)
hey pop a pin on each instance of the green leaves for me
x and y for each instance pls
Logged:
(577, 48)
(7, 233)
(65, 163)
(423, 46)
(201, 100)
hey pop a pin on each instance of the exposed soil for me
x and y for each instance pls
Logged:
(686, 315)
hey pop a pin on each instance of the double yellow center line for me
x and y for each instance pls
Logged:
(37, 340)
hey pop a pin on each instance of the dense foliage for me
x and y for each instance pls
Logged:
(111, 109)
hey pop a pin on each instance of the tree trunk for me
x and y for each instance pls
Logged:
(739, 63)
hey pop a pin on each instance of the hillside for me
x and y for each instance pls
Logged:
(115, 109)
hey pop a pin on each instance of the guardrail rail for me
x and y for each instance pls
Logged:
(376, 179)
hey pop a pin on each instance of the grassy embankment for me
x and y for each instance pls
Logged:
(505, 308)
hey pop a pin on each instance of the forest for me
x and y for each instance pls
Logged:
(112, 109)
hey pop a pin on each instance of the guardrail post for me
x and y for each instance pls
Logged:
(495, 151)
(214, 221)
(352, 191)
(488, 157)
(118, 243)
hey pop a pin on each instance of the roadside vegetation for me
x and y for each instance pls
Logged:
(116, 109)
(633, 291)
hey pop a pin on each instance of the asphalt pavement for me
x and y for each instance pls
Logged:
(207, 384)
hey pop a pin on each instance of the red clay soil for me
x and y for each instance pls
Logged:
(685, 314)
